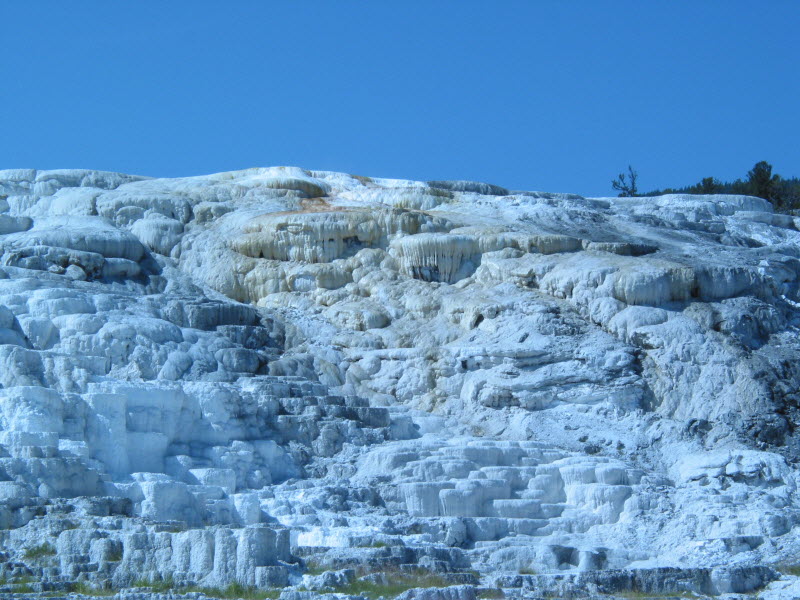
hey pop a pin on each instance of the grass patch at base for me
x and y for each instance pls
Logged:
(637, 595)
(400, 581)
(87, 590)
(232, 591)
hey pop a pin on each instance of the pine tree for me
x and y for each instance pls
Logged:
(626, 184)
(762, 182)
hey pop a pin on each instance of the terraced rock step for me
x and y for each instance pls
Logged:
(289, 383)
(647, 582)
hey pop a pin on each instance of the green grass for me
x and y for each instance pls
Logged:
(39, 551)
(637, 595)
(232, 591)
(789, 569)
(236, 590)
(21, 585)
(401, 581)
(490, 594)
(156, 585)
(527, 571)
(373, 544)
(87, 590)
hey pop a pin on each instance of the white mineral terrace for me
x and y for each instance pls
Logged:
(303, 381)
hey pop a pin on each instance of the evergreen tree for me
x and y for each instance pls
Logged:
(626, 184)
(762, 182)
(709, 185)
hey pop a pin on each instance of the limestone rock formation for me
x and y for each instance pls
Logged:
(316, 383)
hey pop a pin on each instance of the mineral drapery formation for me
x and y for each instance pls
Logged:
(308, 383)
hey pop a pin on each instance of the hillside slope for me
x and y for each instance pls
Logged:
(259, 376)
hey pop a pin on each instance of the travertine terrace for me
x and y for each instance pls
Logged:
(312, 383)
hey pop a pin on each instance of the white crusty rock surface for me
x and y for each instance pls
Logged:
(319, 383)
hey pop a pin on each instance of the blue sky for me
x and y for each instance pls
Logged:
(557, 96)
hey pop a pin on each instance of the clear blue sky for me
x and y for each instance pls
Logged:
(556, 96)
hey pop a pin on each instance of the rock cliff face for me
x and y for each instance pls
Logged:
(255, 377)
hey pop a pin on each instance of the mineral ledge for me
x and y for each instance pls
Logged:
(305, 383)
